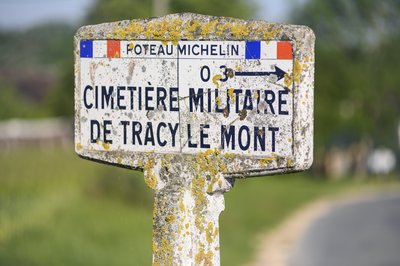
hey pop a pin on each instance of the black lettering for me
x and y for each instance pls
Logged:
(273, 137)
(244, 146)
(161, 50)
(161, 96)
(173, 132)
(173, 100)
(106, 99)
(129, 47)
(196, 99)
(125, 136)
(107, 131)
(161, 143)
(140, 98)
(248, 101)
(269, 101)
(193, 51)
(237, 101)
(96, 98)
(228, 136)
(88, 106)
(259, 137)
(138, 49)
(120, 97)
(190, 144)
(218, 109)
(136, 130)
(94, 131)
(153, 49)
(169, 49)
(204, 136)
(148, 98)
(131, 89)
(235, 50)
(181, 49)
(214, 49)
(149, 135)
(282, 102)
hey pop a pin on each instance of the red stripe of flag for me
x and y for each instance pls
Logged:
(113, 49)
(284, 50)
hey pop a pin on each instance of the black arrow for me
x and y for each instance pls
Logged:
(280, 74)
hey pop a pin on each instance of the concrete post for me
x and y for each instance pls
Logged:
(185, 217)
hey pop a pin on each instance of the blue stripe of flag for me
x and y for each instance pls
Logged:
(253, 49)
(86, 48)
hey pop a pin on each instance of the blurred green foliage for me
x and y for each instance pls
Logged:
(115, 10)
(31, 63)
(356, 80)
(57, 209)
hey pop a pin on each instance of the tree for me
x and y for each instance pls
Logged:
(349, 24)
(356, 68)
(115, 10)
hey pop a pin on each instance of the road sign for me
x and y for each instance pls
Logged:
(249, 98)
(194, 101)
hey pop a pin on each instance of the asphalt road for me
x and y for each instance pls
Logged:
(365, 233)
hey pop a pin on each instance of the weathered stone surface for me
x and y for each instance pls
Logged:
(189, 183)
(174, 28)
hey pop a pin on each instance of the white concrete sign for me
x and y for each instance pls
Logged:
(143, 96)
(185, 84)
(194, 102)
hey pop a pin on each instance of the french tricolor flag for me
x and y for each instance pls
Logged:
(100, 48)
(277, 50)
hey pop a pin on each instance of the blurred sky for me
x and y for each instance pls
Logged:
(19, 14)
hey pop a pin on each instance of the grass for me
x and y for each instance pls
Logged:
(57, 209)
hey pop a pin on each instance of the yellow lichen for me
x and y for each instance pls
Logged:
(239, 30)
(190, 29)
(149, 176)
(229, 155)
(215, 80)
(288, 80)
(129, 31)
(79, 146)
(295, 75)
(256, 95)
(198, 192)
(170, 218)
(106, 145)
(223, 28)
(208, 27)
(211, 232)
(181, 205)
(217, 101)
(270, 34)
(203, 258)
(265, 161)
(231, 95)
(297, 70)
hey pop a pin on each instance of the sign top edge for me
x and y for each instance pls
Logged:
(191, 26)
